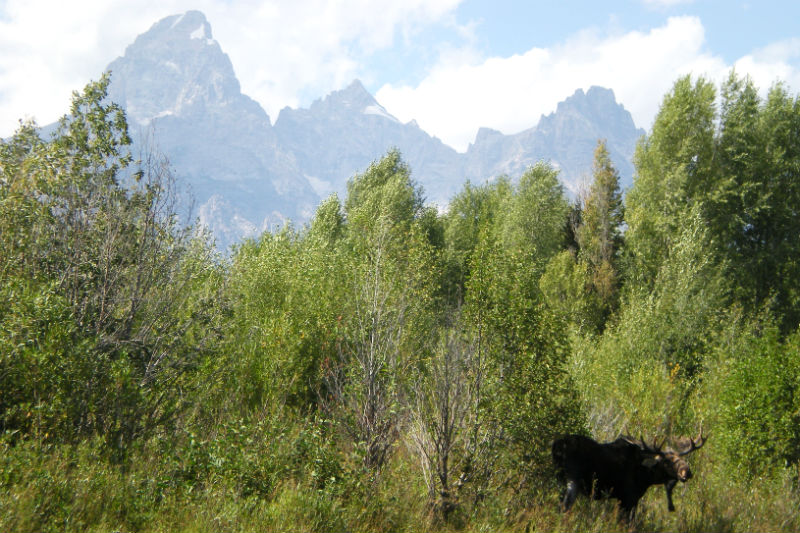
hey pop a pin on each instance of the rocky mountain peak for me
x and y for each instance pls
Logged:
(598, 106)
(247, 176)
(601, 96)
(486, 134)
(353, 99)
(175, 68)
(189, 25)
(567, 138)
(176, 84)
(354, 95)
(594, 97)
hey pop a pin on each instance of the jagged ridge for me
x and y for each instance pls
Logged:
(249, 175)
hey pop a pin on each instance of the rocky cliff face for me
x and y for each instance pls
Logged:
(342, 133)
(247, 176)
(178, 87)
(567, 138)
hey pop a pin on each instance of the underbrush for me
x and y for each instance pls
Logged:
(276, 483)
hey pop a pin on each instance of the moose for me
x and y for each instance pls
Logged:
(623, 469)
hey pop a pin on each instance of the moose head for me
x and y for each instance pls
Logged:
(668, 465)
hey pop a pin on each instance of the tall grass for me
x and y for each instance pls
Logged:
(47, 488)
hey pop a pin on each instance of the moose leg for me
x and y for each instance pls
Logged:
(628, 501)
(630, 513)
(571, 494)
(668, 486)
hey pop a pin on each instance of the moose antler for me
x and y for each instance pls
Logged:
(688, 445)
(654, 448)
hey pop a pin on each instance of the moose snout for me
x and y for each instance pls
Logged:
(684, 474)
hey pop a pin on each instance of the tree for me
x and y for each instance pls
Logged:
(532, 219)
(674, 170)
(741, 178)
(523, 341)
(97, 235)
(641, 372)
(600, 233)
(470, 213)
(388, 314)
(753, 209)
(567, 288)
(383, 195)
(450, 430)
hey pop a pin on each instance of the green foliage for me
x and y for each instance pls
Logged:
(525, 344)
(328, 224)
(283, 297)
(388, 368)
(759, 401)
(100, 281)
(567, 287)
(44, 376)
(531, 221)
(392, 283)
(754, 207)
(641, 373)
(581, 285)
(742, 179)
(470, 215)
(599, 234)
(384, 194)
(674, 168)
(333, 317)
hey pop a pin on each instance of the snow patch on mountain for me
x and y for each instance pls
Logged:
(199, 33)
(379, 110)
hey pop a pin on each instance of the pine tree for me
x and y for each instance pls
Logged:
(599, 235)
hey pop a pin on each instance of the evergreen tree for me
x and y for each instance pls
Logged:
(600, 233)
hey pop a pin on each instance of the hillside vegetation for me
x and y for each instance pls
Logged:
(392, 368)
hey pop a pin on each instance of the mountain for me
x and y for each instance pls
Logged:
(176, 82)
(567, 138)
(179, 91)
(342, 133)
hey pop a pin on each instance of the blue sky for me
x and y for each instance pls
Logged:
(733, 27)
(452, 65)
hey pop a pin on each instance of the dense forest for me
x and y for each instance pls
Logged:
(392, 367)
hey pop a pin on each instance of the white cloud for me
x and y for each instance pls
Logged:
(48, 49)
(511, 93)
(278, 48)
(773, 63)
(314, 45)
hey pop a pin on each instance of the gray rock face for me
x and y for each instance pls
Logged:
(567, 138)
(178, 87)
(347, 130)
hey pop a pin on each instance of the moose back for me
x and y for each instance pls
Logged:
(623, 469)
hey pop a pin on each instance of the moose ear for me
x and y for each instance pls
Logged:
(650, 462)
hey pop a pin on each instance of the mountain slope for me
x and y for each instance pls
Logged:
(342, 133)
(566, 137)
(176, 80)
(178, 87)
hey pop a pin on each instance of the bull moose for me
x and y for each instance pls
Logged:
(623, 469)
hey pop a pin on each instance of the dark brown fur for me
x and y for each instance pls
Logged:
(623, 469)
